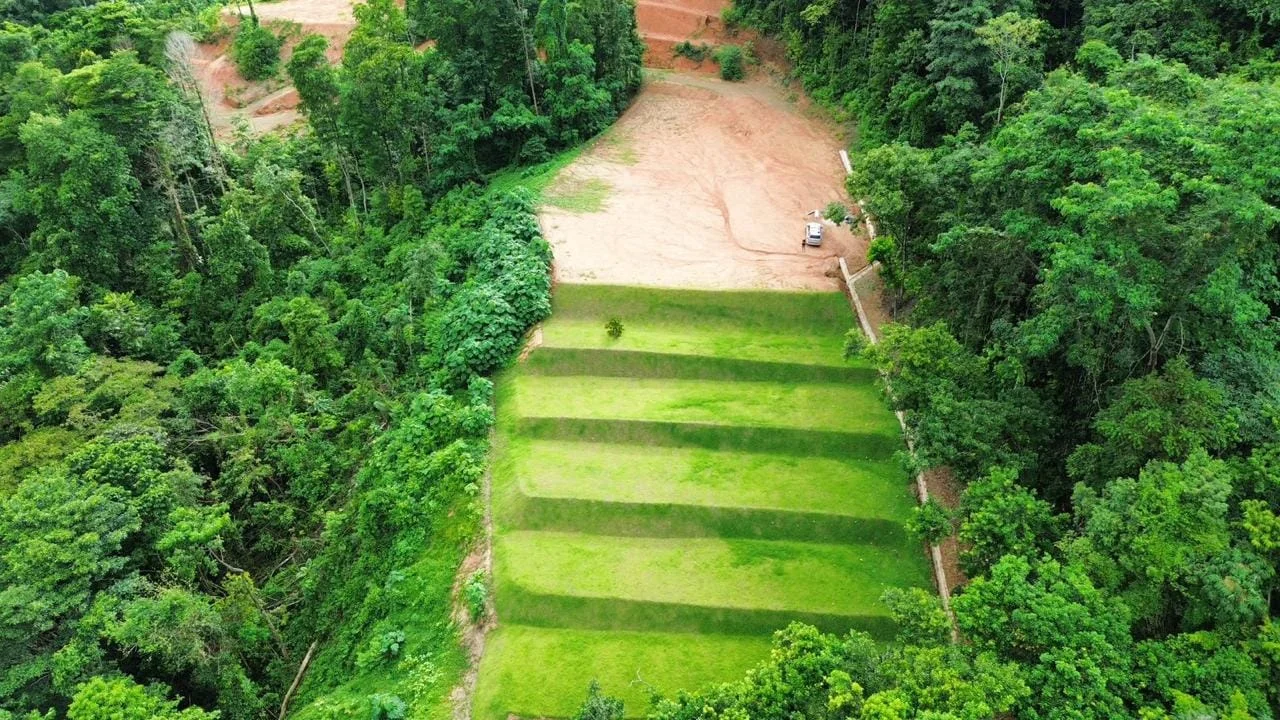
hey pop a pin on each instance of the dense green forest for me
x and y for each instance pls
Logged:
(1077, 206)
(243, 403)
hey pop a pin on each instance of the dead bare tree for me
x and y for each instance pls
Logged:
(179, 52)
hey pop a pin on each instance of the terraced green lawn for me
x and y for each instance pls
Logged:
(828, 407)
(778, 345)
(749, 574)
(693, 476)
(664, 501)
(538, 672)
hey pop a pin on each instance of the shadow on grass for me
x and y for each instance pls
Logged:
(517, 605)
(781, 441)
(671, 520)
(558, 361)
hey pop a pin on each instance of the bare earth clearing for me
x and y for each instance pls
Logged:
(273, 104)
(709, 184)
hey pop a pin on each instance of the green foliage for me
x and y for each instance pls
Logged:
(613, 328)
(1084, 252)
(255, 50)
(123, 699)
(836, 212)
(230, 421)
(387, 707)
(855, 343)
(695, 52)
(1001, 517)
(599, 706)
(1011, 40)
(476, 593)
(732, 61)
(919, 616)
(931, 522)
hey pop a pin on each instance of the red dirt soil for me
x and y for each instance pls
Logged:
(665, 23)
(707, 184)
(272, 104)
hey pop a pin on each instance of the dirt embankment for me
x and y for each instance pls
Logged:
(271, 104)
(663, 24)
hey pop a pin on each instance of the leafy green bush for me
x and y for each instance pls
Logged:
(854, 343)
(836, 212)
(385, 646)
(599, 706)
(209, 25)
(614, 328)
(387, 707)
(696, 53)
(919, 616)
(930, 521)
(476, 593)
(255, 51)
(732, 63)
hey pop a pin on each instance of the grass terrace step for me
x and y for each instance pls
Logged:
(781, 441)
(603, 362)
(720, 573)
(665, 520)
(826, 407)
(778, 346)
(593, 613)
(665, 500)
(789, 327)
(807, 313)
(627, 473)
(538, 672)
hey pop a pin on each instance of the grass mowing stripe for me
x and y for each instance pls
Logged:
(749, 574)
(665, 520)
(542, 672)
(556, 361)
(696, 476)
(780, 441)
(840, 407)
(811, 313)
(779, 346)
(517, 604)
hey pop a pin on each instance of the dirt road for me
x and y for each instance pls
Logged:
(706, 184)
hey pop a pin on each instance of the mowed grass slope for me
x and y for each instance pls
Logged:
(665, 500)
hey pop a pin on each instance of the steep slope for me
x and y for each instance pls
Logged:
(665, 500)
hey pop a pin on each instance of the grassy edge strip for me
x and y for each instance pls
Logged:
(780, 441)
(671, 520)
(603, 362)
(535, 609)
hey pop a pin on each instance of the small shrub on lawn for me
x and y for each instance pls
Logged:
(599, 706)
(855, 343)
(613, 328)
(732, 63)
(476, 593)
(696, 53)
(256, 51)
